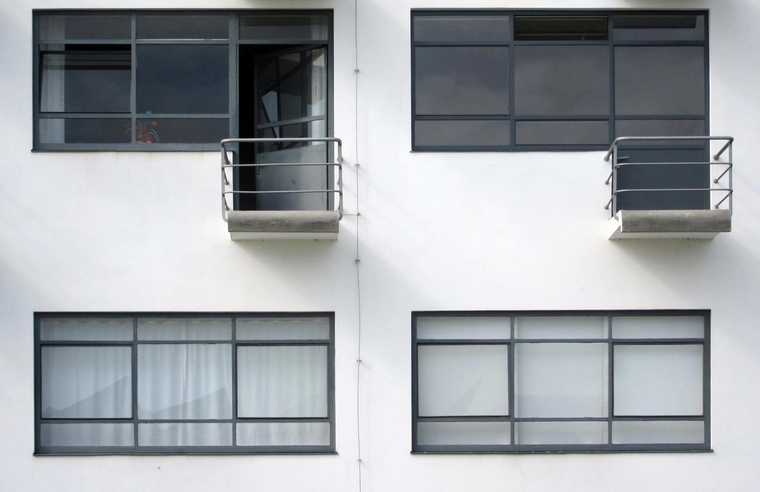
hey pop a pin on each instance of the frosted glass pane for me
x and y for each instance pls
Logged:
(561, 433)
(284, 434)
(282, 381)
(282, 328)
(658, 432)
(561, 327)
(658, 380)
(86, 382)
(443, 433)
(91, 329)
(561, 380)
(658, 327)
(87, 435)
(462, 328)
(184, 328)
(463, 380)
(192, 381)
(184, 434)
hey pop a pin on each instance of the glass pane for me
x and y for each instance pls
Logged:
(192, 381)
(463, 380)
(462, 28)
(182, 79)
(658, 327)
(86, 80)
(184, 329)
(660, 80)
(283, 434)
(561, 380)
(275, 381)
(562, 80)
(660, 128)
(467, 81)
(215, 434)
(561, 327)
(55, 27)
(658, 380)
(462, 328)
(658, 27)
(181, 131)
(283, 27)
(455, 433)
(461, 133)
(560, 28)
(86, 382)
(562, 133)
(87, 435)
(93, 329)
(85, 130)
(658, 432)
(282, 328)
(561, 433)
(182, 26)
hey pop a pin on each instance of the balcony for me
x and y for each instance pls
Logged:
(670, 187)
(282, 188)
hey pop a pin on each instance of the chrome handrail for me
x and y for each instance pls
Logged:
(616, 164)
(226, 164)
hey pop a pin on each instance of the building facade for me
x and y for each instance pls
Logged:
(466, 291)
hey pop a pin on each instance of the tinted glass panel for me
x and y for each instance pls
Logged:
(452, 433)
(660, 128)
(282, 329)
(87, 435)
(182, 79)
(463, 328)
(85, 130)
(176, 434)
(658, 27)
(184, 329)
(560, 28)
(283, 434)
(91, 329)
(456, 81)
(686, 432)
(562, 80)
(560, 327)
(86, 79)
(195, 130)
(284, 27)
(462, 28)
(562, 133)
(85, 27)
(465, 133)
(182, 26)
(659, 80)
(561, 433)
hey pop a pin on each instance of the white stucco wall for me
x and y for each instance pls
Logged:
(438, 231)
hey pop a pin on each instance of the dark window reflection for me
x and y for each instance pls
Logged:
(454, 81)
(284, 27)
(562, 133)
(560, 28)
(85, 27)
(182, 26)
(658, 27)
(562, 80)
(660, 80)
(462, 133)
(182, 79)
(180, 131)
(462, 28)
(86, 79)
(89, 131)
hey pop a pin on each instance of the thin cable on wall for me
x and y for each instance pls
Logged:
(357, 261)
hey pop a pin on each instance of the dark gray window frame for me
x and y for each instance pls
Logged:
(233, 42)
(40, 450)
(512, 118)
(609, 340)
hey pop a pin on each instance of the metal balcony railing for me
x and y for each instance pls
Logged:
(228, 165)
(719, 169)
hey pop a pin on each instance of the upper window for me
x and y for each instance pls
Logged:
(195, 383)
(548, 381)
(151, 80)
(496, 80)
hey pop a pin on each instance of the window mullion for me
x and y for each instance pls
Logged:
(511, 378)
(134, 382)
(133, 85)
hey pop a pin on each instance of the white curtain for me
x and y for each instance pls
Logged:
(53, 85)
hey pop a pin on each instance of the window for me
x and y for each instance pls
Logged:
(498, 80)
(550, 381)
(154, 80)
(189, 383)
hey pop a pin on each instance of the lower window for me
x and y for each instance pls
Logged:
(560, 381)
(184, 383)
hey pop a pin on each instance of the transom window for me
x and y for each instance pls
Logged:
(190, 383)
(549, 381)
(499, 80)
(155, 80)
